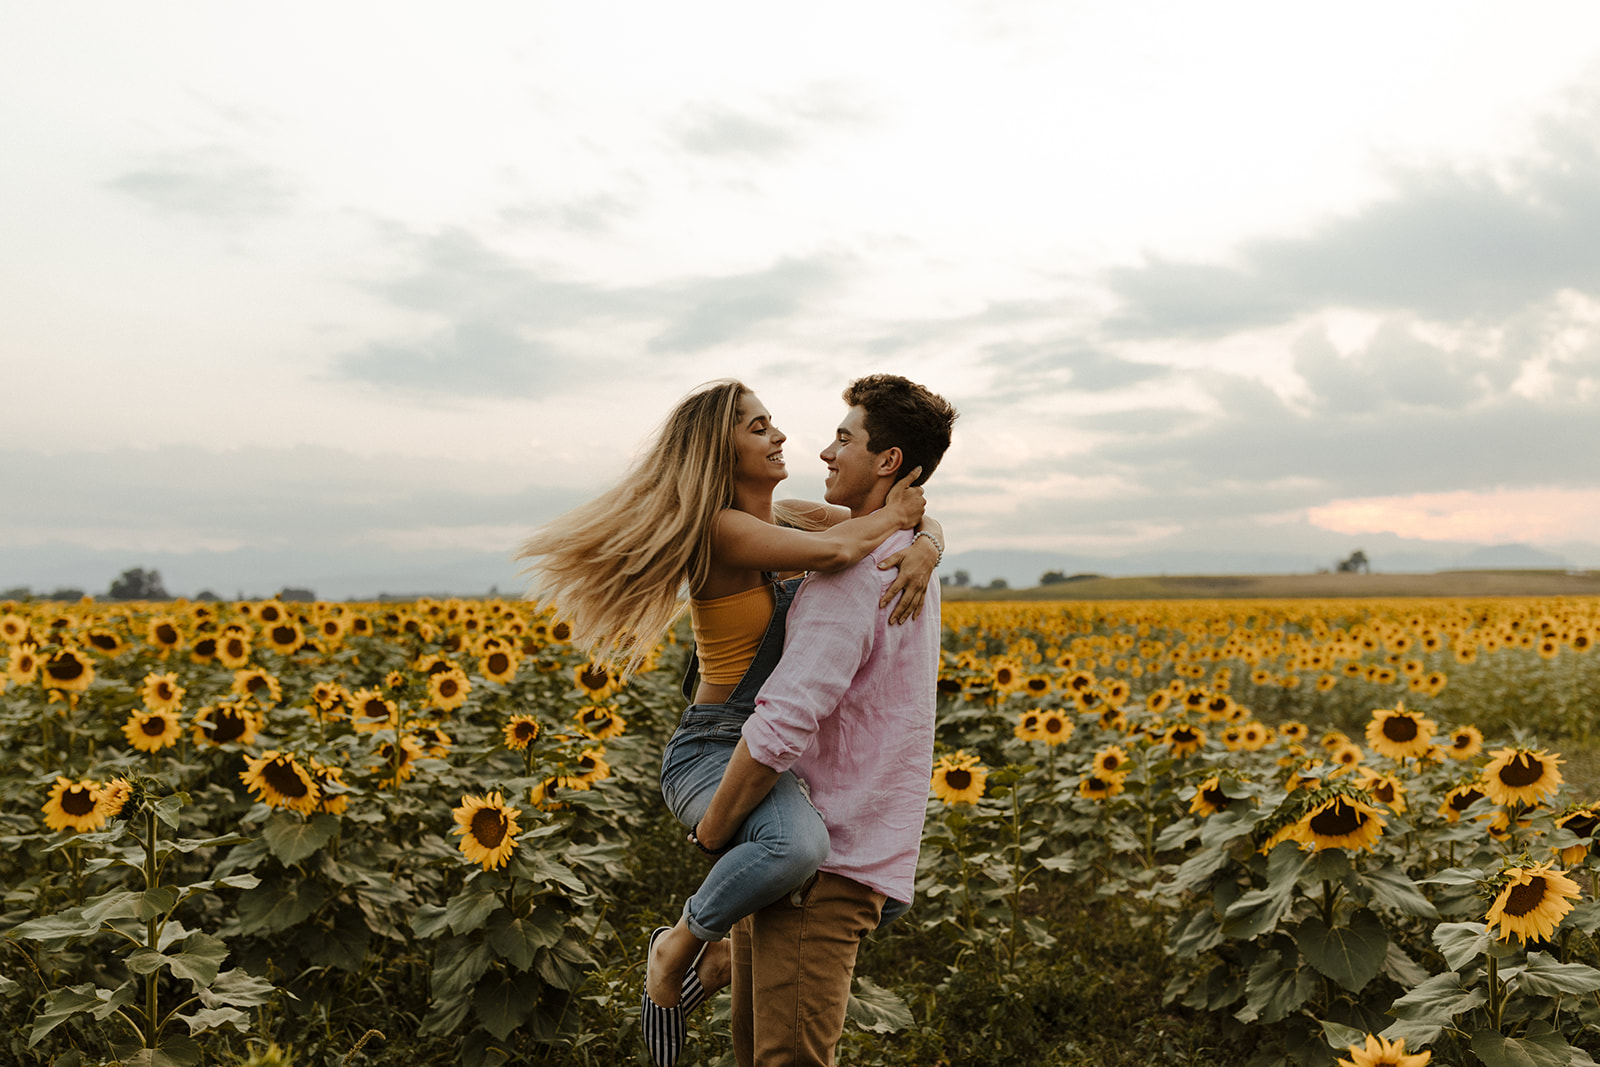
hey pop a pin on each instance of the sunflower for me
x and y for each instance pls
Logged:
(331, 630)
(1037, 685)
(258, 685)
(488, 829)
(1465, 742)
(106, 642)
(435, 742)
(161, 692)
(285, 636)
(1521, 775)
(448, 689)
(1110, 760)
(162, 632)
(1583, 822)
(1386, 789)
(330, 787)
(1532, 903)
(23, 665)
(600, 723)
(152, 730)
(233, 650)
(592, 766)
(1341, 821)
(270, 612)
(370, 710)
(1114, 719)
(279, 781)
(331, 700)
(1054, 727)
(74, 806)
(223, 724)
(521, 731)
(13, 628)
(67, 669)
(1233, 737)
(1157, 701)
(1209, 797)
(959, 779)
(1099, 787)
(595, 680)
(1400, 734)
(499, 665)
(1256, 737)
(114, 796)
(1293, 732)
(1381, 1053)
(1184, 740)
(1459, 800)
(398, 758)
(1027, 728)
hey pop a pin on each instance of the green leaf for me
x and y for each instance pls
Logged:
(1545, 977)
(118, 905)
(344, 945)
(1342, 1037)
(146, 961)
(1542, 1047)
(1063, 864)
(200, 959)
(430, 921)
(174, 1050)
(537, 865)
(166, 809)
(1275, 988)
(1457, 876)
(505, 1003)
(1200, 933)
(1392, 888)
(1351, 955)
(1199, 868)
(1585, 916)
(211, 1018)
(154, 903)
(518, 941)
(877, 1010)
(471, 908)
(238, 989)
(292, 838)
(275, 908)
(1258, 912)
(458, 963)
(1422, 1014)
(69, 923)
(61, 1005)
(1461, 943)
(1407, 972)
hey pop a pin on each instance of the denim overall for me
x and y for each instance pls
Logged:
(783, 840)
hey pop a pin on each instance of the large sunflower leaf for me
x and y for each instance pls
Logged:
(61, 1005)
(1542, 1046)
(200, 959)
(1422, 1014)
(293, 839)
(173, 1050)
(1402, 968)
(471, 908)
(1392, 888)
(210, 1018)
(1462, 943)
(519, 940)
(1341, 1037)
(1199, 868)
(1544, 977)
(239, 989)
(877, 1010)
(1275, 988)
(1351, 955)
(69, 923)
(457, 965)
(1200, 933)
(275, 908)
(504, 1003)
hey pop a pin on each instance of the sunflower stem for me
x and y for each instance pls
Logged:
(1496, 1004)
(152, 928)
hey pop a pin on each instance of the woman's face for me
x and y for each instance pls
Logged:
(757, 444)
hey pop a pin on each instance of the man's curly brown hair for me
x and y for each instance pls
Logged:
(901, 414)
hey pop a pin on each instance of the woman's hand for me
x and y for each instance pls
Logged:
(916, 566)
(906, 501)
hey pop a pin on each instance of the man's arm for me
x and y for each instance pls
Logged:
(745, 783)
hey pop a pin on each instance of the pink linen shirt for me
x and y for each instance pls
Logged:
(850, 709)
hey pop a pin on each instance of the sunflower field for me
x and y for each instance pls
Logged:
(1206, 832)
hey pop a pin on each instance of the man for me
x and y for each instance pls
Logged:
(850, 709)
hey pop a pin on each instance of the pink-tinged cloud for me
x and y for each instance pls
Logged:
(1522, 515)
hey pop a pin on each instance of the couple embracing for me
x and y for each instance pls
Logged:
(800, 767)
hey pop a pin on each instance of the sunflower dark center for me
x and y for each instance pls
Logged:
(235, 647)
(596, 720)
(489, 827)
(560, 631)
(1583, 824)
(527, 731)
(64, 667)
(1526, 897)
(255, 683)
(586, 764)
(1217, 798)
(958, 779)
(1096, 784)
(104, 642)
(1219, 704)
(499, 663)
(1384, 791)
(1523, 770)
(373, 708)
(1038, 685)
(1053, 725)
(1461, 740)
(1337, 820)
(1003, 676)
(283, 635)
(77, 800)
(448, 687)
(1184, 735)
(227, 726)
(284, 777)
(154, 726)
(1400, 728)
(1030, 722)
(270, 615)
(949, 685)
(1463, 801)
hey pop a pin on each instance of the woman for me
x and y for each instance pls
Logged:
(696, 511)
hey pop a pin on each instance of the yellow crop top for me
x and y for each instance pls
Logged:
(728, 630)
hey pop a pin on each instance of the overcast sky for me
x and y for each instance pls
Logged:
(401, 280)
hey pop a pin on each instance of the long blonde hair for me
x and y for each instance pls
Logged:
(620, 567)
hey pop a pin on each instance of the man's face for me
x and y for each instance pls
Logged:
(852, 466)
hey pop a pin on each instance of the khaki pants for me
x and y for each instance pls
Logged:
(792, 966)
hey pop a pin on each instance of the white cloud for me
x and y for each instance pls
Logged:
(1543, 516)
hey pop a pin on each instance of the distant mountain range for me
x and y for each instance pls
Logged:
(342, 575)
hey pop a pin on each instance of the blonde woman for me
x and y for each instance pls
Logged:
(696, 513)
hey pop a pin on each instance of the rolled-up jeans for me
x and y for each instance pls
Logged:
(778, 846)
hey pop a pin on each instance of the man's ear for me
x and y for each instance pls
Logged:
(890, 460)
